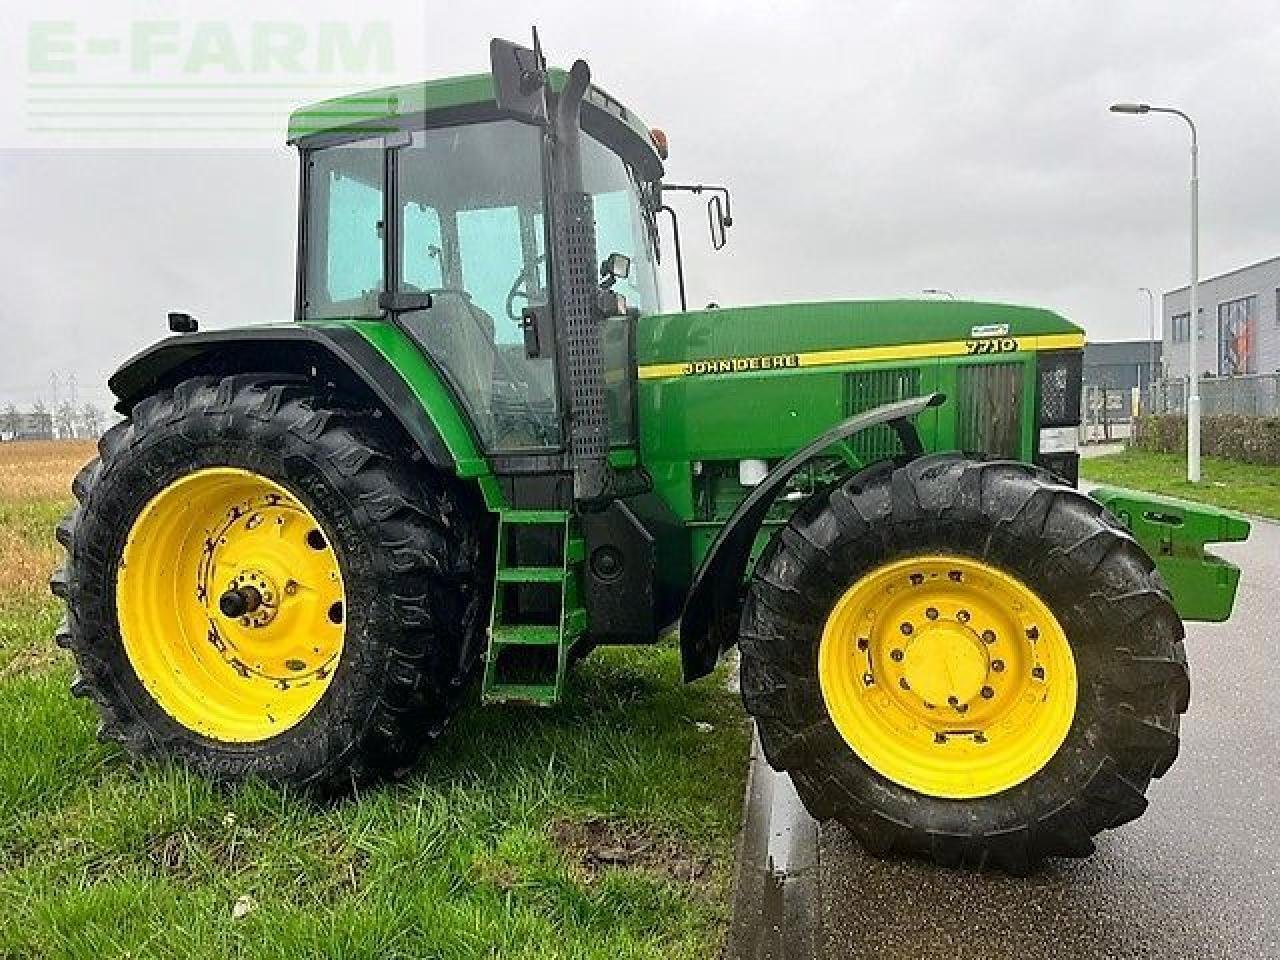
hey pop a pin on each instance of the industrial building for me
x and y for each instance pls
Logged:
(1239, 323)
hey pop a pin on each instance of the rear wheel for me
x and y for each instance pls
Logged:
(964, 661)
(259, 581)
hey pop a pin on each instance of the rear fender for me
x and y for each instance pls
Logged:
(709, 623)
(341, 353)
(1174, 532)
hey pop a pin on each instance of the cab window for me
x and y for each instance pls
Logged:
(344, 231)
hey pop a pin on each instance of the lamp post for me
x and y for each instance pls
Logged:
(1151, 335)
(1193, 380)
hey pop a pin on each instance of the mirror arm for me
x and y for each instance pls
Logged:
(719, 204)
(675, 236)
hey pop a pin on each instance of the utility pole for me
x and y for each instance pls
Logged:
(1151, 335)
(1193, 380)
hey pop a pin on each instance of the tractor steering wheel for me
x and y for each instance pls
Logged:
(519, 288)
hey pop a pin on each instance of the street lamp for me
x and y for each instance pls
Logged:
(1151, 335)
(1193, 380)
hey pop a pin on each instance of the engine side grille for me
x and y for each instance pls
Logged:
(1059, 376)
(989, 408)
(871, 388)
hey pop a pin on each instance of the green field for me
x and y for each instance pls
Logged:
(1224, 483)
(602, 828)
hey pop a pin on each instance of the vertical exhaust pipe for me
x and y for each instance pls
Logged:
(577, 310)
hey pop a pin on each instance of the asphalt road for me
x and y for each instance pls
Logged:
(1197, 876)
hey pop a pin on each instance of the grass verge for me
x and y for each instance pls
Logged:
(602, 828)
(1225, 483)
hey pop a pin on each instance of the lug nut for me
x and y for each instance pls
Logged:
(896, 655)
(987, 693)
(988, 636)
(868, 680)
(997, 665)
(953, 700)
(863, 643)
(1037, 672)
(962, 616)
(931, 613)
(1033, 633)
(907, 629)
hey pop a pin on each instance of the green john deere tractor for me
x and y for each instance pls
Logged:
(481, 449)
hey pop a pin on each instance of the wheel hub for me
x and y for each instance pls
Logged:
(251, 598)
(945, 663)
(231, 604)
(947, 675)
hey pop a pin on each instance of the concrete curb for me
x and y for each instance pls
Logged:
(777, 912)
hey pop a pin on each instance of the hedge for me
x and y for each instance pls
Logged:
(1235, 437)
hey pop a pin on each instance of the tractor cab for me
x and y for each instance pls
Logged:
(438, 214)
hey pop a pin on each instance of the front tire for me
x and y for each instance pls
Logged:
(964, 661)
(261, 582)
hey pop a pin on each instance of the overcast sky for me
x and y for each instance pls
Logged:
(873, 149)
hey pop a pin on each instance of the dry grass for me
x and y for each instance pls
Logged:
(25, 565)
(35, 487)
(41, 470)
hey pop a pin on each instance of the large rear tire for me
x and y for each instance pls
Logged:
(964, 661)
(261, 581)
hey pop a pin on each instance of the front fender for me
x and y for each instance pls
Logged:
(709, 622)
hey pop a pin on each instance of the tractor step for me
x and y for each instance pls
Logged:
(531, 575)
(525, 636)
(535, 517)
(537, 613)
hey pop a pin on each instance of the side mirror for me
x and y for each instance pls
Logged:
(519, 80)
(616, 266)
(720, 221)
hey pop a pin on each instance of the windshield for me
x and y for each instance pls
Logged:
(622, 223)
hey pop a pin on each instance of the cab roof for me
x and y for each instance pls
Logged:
(382, 108)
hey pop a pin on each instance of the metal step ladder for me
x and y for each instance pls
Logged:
(537, 606)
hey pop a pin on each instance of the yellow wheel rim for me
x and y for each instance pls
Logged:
(231, 605)
(947, 676)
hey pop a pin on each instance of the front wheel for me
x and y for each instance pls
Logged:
(965, 661)
(261, 582)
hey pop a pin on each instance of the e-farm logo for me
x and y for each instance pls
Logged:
(202, 82)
